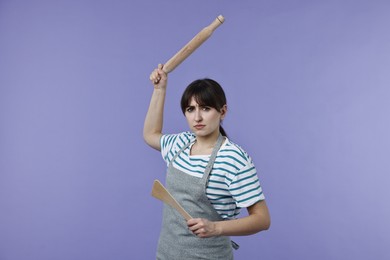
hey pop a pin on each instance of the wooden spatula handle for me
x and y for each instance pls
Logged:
(159, 192)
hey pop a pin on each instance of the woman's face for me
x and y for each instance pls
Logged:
(203, 120)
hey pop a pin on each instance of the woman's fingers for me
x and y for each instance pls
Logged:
(154, 76)
(201, 227)
(157, 75)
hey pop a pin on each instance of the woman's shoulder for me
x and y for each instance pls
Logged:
(178, 139)
(236, 152)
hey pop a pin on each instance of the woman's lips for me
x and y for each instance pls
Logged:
(199, 126)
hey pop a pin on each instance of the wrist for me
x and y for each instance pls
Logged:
(159, 92)
(219, 228)
(160, 89)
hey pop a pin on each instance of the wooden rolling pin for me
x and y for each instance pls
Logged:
(192, 45)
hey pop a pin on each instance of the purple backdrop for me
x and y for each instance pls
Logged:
(308, 92)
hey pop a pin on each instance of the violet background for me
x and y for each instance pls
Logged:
(308, 95)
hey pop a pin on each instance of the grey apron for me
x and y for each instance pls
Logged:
(176, 240)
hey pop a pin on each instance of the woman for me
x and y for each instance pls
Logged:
(210, 176)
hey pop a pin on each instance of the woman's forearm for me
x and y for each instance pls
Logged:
(243, 226)
(154, 119)
(259, 219)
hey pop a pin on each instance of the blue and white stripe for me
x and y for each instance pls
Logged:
(233, 182)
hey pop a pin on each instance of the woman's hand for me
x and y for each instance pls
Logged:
(159, 78)
(203, 227)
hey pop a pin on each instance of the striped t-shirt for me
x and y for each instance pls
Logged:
(233, 182)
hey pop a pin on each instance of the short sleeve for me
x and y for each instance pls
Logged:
(172, 143)
(245, 186)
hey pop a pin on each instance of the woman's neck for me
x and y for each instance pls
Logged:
(204, 145)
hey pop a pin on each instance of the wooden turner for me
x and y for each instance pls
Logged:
(159, 192)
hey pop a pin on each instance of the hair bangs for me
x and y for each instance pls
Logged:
(206, 92)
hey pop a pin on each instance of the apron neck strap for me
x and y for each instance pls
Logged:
(213, 155)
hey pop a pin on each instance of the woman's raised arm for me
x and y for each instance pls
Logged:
(154, 118)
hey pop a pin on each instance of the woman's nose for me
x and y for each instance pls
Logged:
(198, 116)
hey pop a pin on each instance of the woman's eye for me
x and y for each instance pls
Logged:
(205, 108)
(189, 109)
